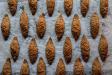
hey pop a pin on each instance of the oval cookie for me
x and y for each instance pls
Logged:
(60, 70)
(14, 48)
(12, 6)
(7, 70)
(50, 51)
(76, 29)
(94, 25)
(104, 8)
(84, 7)
(50, 6)
(33, 51)
(41, 26)
(5, 27)
(78, 67)
(68, 5)
(96, 67)
(59, 27)
(67, 50)
(33, 6)
(103, 48)
(24, 23)
(25, 68)
(41, 67)
(85, 48)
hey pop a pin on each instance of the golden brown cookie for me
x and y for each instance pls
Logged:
(85, 48)
(33, 6)
(67, 50)
(41, 26)
(7, 70)
(41, 67)
(104, 8)
(50, 6)
(103, 48)
(84, 7)
(78, 67)
(59, 27)
(25, 68)
(14, 48)
(68, 5)
(50, 51)
(60, 70)
(94, 25)
(24, 23)
(12, 6)
(96, 67)
(76, 29)
(5, 27)
(33, 51)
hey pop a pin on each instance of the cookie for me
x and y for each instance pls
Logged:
(85, 48)
(59, 27)
(96, 67)
(14, 48)
(84, 7)
(67, 50)
(41, 67)
(68, 5)
(60, 70)
(33, 51)
(94, 25)
(24, 24)
(78, 67)
(25, 68)
(5, 27)
(104, 8)
(33, 6)
(41, 26)
(50, 6)
(50, 51)
(7, 70)
(12, 4)
(103, 48)
(76, 28)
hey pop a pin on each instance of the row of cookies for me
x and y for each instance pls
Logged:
(78, 68)
(68, 6)
(59, 26)
(67, 49)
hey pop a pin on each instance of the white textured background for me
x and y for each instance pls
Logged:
(105, 28)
